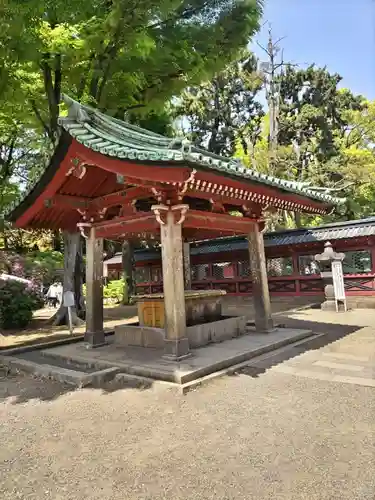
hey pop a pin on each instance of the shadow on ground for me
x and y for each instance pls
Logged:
(21, 388)
(328, 333)
(41, 330)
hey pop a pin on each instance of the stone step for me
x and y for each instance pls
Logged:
(74, 377)
(250, 326)
(88, 372)
(236, 369)
(136, 381)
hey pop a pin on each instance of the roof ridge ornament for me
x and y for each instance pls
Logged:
(175, 142)
(186, 146)
(76, 110)
(182, 143)
(236, 162)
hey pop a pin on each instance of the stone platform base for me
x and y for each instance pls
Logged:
(92, 367)
(216, 331)
(198, 335)
(352, 302)
(139, 336)
(328, 305)
(360, 302)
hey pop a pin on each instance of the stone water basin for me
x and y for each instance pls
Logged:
(202, 306)
(204, 321)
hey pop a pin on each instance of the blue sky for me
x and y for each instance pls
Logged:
(339, 34)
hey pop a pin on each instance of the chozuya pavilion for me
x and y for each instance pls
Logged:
(110, 179)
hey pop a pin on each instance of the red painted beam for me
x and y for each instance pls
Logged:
(50, 190)
(141, 222)
(132, 169)
(122, 197)
(123, 220)
(202, 224)
(201, 234)
(69, 202)
(219, 222)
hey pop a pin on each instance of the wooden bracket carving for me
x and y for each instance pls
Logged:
(253, 211)
(182, 190)
(178, 212)
(128, 209)
(92, 216)
(217, 207)
(78, 168)
(83, 226)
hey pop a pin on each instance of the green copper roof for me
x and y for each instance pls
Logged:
(118, 139)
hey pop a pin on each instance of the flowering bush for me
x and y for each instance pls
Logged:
(45, 267)
(17, 303)
(38, 267)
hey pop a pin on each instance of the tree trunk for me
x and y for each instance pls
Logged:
(109, 249)
(56, 241)
(5, 240)
(73, 274)
(127, 267)
(297, 217)
(285, 218)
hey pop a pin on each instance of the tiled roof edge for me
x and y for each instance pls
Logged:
(120, 139)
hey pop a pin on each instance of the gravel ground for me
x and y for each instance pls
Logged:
(272, 437)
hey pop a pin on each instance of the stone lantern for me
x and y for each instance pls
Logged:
(325, 260)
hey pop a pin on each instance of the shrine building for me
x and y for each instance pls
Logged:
(113, 180)
(292, 271)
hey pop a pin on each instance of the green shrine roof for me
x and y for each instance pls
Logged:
(116, 138)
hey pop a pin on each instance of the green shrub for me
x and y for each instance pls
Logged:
(17, 303)
(113, 292)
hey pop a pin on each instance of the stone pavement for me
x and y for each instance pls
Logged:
(336, 356)
(260, 435)
(344, 361)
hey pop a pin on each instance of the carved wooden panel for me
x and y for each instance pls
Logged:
(311, 285)
(201, 286)
(358, 284)
(143, 290)
(228, 287)
(281, 286)
(245, 287)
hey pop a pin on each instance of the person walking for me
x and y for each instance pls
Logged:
(52, 295)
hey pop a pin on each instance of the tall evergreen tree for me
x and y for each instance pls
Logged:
(224, 109)
(127, 57)
(313, 113)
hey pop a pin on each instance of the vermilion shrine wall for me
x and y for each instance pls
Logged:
(290, 272)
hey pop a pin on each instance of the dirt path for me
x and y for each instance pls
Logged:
(276, 436)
